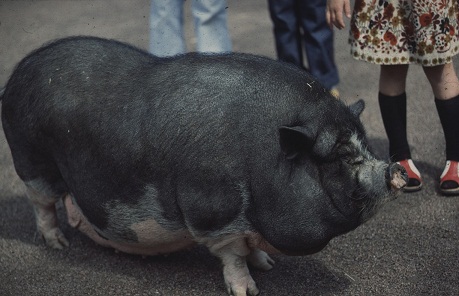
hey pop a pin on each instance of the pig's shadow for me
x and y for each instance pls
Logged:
(194, 269)
(197, 269)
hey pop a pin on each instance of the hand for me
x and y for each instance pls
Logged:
(334, 12)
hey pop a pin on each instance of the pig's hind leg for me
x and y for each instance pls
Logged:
(43, 199)
(36, 167)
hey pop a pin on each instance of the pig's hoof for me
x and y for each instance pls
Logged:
(260, 260)
(55, 239)
(243, 289)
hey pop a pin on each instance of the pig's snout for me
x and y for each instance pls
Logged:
(396, 176)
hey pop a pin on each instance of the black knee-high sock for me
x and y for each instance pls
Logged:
(393, 112)
(448, 111)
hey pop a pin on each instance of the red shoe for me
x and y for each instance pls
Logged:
(414, 177)
(449, 179)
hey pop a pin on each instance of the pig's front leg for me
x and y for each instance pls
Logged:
(259, 259)
(233, 251)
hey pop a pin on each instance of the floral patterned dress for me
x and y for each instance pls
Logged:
(390, 32)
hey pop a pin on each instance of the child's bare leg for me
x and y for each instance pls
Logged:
(443, 80)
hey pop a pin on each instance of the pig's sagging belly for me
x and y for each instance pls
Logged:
(152, 238)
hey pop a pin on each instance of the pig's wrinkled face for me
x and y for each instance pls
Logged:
(349, 172)
(326, 181)
(358, 183)
(335, 182)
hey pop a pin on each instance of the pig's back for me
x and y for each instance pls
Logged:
(114, 93)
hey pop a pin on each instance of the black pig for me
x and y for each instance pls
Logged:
(241, 153)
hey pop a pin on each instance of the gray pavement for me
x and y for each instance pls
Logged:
(410, 248)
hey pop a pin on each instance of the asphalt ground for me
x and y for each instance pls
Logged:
(410, 248)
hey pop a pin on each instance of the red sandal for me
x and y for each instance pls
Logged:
(414, 177)
(449, 179)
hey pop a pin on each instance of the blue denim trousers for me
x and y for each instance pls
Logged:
(167, 32)
(301, 25)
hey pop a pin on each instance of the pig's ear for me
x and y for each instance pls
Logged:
(357, 107)
(299, 139)
(295, 140)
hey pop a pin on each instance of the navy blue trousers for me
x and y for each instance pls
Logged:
(301, 24)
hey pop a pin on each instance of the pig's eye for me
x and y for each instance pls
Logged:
(343, 150)
(348, 155)
(355, 160)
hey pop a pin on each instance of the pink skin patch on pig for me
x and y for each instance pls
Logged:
(152, 238)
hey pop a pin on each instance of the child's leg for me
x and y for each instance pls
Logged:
(392, 79)
(392, 103)
(443, 80)
(445, 86)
